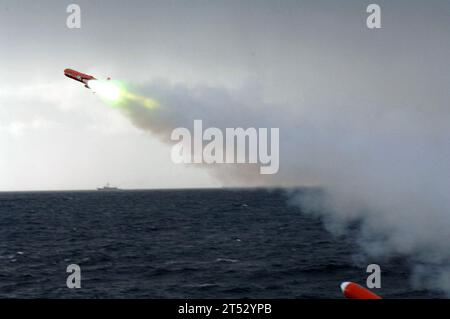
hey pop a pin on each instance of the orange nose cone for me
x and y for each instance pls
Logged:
(355, 291)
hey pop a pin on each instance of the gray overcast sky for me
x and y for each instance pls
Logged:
(311, 61)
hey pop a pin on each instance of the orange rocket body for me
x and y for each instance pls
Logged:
(355, 291)
(78, 76)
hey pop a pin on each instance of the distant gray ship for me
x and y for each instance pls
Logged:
(108, 188)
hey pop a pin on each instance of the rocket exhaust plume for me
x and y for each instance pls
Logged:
(115, 93)
(106, 90)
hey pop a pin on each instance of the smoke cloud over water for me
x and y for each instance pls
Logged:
(385, 168)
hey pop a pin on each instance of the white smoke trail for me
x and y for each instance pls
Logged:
(389, 171)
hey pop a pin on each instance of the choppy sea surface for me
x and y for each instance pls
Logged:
(241, 243)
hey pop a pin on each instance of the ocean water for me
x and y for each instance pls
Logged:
(242, 243)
